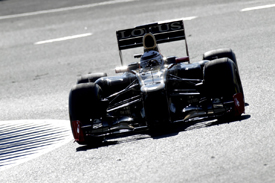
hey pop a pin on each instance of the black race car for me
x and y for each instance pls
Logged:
(157, 91)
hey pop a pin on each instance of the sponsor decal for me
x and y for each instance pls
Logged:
(159, 28)
(77, 131)
(239, 104)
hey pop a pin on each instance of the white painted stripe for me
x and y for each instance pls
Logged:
(64, 38)
(189, 18)
(64, 9)
(259, 7)
(184, 19)
(24, 140)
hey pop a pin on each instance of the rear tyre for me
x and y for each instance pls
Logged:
(90, 77)
(220, 53)
(85, 104)
(221, 79)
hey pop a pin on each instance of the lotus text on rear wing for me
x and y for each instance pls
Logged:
(155, 28)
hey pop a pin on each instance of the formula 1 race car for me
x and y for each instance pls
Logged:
(156, 91)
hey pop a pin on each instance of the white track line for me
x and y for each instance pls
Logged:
(184, 19)
(64, 9)
(24, 140)
(259, 7)
(63, 38)
(189, 18)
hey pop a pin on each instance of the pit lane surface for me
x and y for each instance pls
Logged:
(36, 78)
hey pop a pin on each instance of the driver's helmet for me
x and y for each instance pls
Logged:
(151, 58)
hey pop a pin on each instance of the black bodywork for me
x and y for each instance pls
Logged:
(141, 99)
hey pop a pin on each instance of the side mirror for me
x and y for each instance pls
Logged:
(137, 55)
(133, 66)
(121, 69)
(171, 60)
(130, 67)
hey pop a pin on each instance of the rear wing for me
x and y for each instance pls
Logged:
(163, 31)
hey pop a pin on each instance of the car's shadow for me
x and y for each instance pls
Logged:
(187, 126)
(165, 132)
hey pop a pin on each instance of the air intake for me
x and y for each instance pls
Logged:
(149, 42)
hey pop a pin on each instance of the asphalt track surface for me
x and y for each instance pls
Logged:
(46, 45)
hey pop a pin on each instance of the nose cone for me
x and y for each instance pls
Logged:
(149, 42)
(152, 87)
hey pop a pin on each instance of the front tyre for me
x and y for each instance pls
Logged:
(84, 104)
(222, 80)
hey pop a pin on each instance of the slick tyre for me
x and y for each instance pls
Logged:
(84, 104)
(90, 77)
(221, 79)
(223, 53)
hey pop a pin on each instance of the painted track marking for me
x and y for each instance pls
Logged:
(23, 140)
(184, 19)
(64, 38)
(64, 9)
(259, 7)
